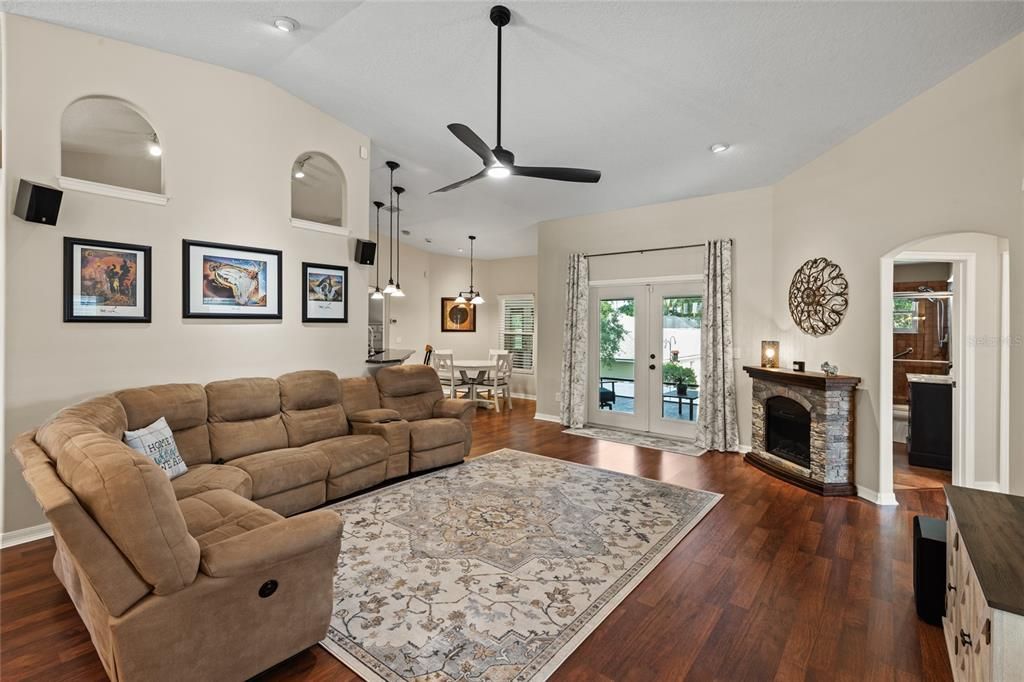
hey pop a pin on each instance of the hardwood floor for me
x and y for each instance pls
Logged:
(908, 477)
(775, 583)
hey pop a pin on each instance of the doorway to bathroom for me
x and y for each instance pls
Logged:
(923, 380)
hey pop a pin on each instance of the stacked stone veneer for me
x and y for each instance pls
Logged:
(831, 429)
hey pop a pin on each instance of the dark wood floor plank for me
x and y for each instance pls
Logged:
(774, 583)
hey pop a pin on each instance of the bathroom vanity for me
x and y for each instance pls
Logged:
(930, 421)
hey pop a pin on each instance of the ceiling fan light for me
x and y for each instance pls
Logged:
(498, 171)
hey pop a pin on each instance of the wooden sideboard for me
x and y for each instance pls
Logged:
(984, 622)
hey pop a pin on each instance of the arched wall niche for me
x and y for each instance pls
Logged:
(108, 140)
(319, 191)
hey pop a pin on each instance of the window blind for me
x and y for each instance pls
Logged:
(518, 330)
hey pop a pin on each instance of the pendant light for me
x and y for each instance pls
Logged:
(377, 293)
(390, 288)
(398, 293)
(472, 296)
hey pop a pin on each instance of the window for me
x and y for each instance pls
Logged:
(904, 315)
(518, 329)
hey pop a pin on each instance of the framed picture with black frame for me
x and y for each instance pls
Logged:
(106, 281)
(457, 317)
(324, 293)
(226, 281)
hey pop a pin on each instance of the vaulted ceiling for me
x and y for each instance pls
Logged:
(638, 90)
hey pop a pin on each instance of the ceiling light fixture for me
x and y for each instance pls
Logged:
(390, 288)
(377, 293)
(286, 24)
(498, 171)
(299, 170)
(472, 296)
(398, 293)
(719, 147)
(154, 146)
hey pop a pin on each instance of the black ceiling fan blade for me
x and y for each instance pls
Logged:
(460, 183)
(473, 141)
(554, 173)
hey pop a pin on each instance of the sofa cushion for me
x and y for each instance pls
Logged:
(358, 394)
(130, 498)
(156, 441)
(279, 470)
(435, 433)
(244, 417)
(217, 515)
(410, 390)
(203, 477)
(349, 453)
(311, 404)
(184, 408)
(104, 413)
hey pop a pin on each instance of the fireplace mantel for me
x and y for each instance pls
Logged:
(815, 380)
(830, 403)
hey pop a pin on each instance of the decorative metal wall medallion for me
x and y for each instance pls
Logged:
(818, 296)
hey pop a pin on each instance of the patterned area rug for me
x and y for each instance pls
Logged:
(644, 440)
(496, 569)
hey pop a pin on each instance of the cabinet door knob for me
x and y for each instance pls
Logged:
(951, 587)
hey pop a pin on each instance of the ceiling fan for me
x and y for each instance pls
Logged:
(500, 162)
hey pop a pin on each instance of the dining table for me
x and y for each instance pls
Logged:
(473, 374)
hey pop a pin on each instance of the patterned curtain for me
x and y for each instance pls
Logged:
(717, 428)
(574, 343)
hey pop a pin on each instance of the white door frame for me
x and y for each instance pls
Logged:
(963, 359)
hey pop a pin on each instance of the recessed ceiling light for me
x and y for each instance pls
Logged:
(719, 148)
(286, 24)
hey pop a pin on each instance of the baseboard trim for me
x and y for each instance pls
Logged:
(23, 535)
(524, 396)
(547, 418)
(873, 496)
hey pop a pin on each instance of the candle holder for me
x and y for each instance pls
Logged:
(770, 354)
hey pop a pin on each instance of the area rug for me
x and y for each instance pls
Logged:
(644, 440)
(495, 569)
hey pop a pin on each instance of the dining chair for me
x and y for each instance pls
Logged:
(497, 384)
(443, 362)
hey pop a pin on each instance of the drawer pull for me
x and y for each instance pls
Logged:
(987, 631)
(956, 541)
(965, 638)
(951, 586)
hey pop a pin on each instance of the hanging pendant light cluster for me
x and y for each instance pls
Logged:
(377, 293)
(394, 245)
(472, 296)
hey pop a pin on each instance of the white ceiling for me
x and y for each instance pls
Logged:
(638, 90)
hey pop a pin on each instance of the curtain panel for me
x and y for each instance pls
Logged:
(717, 427)
(573, 392)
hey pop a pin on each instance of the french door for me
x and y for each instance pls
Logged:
(645, 357)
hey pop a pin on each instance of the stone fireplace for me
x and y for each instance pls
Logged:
(803, 428)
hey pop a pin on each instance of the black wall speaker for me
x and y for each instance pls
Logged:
(365, 252)
(37, 203)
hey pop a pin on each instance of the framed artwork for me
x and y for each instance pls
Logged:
(224, 281)
(106, 281)
(324, 293)
(457, 317)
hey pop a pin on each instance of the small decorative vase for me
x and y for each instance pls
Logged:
(828, 369)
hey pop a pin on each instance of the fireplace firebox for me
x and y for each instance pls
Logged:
(788, 430)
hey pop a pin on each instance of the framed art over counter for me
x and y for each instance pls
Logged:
(106, 281)
(324, 293)
(225, 281)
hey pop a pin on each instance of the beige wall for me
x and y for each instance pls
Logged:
(743, 216)
(947, 161)
(427, 277)
(230, 140)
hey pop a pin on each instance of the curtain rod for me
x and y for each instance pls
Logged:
(660, 248)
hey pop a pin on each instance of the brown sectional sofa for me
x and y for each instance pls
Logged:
(204, 577)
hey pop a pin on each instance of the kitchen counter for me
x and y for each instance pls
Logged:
(390, 356)
(931, 378)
